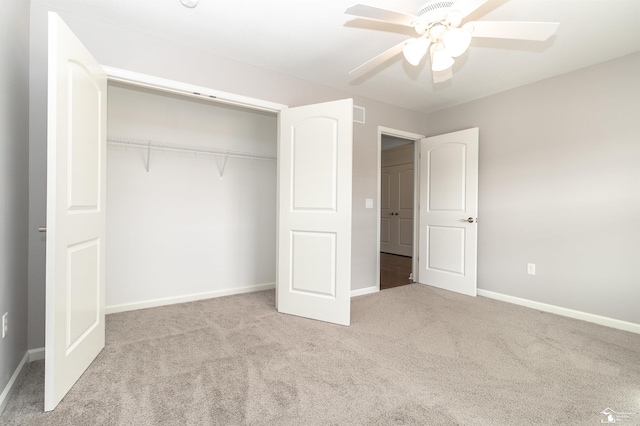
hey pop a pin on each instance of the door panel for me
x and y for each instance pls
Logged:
(314, 263)
(385, 210)
(448, 197)
(405, 189)
(446, 249)
(314, 217)
(76, 194)
(447, 177)
(315, 164)
(405, 234)
(385, 233)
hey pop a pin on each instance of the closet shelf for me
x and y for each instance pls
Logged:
(150, 144)
(165, 146)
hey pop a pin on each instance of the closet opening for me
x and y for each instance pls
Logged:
(191, 198)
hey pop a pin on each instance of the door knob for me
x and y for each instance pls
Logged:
(470, 220)
(42, 229)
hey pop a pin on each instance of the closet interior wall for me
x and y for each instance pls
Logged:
(181, 231)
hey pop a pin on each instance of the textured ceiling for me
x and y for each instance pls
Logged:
(314, 40)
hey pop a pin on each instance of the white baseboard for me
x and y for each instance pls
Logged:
(185, 298)
(36, 354)
(363, 291)
(566, 312)
(6, 393)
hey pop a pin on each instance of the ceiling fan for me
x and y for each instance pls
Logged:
(438, 29)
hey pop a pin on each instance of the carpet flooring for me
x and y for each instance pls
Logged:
(413, 355)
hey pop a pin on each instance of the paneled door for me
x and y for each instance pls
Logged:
(76, 194)
(396, 209)
(449, 211)
(314, 211)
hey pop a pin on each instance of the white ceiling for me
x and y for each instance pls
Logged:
(314, 40)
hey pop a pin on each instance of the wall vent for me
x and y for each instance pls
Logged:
(358, 114)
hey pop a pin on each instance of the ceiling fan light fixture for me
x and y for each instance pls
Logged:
(454, 18)
(436, 31)
(440, 57)
(457, 41)
(420, 26)
(415, 49)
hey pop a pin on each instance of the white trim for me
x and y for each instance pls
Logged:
(36, 354)
(186, 298)
(172, 86)
(565, 312)
(399, 133)
(366, 290)
(416, 193)
(8, 390)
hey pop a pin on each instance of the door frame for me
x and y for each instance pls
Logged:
(416, 193)
(191, 90)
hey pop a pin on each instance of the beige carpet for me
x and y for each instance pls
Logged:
(412, 356)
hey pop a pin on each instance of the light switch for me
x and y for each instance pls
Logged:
(531, 268)
(368, 203)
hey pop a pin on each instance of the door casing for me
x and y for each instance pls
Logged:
(416, 192)
(395, 213)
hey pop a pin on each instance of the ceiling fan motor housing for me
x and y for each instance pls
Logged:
(435, 10)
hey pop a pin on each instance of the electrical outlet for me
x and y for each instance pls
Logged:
(5, 324)
(531, 268)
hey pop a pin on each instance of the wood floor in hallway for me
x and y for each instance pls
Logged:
(394, 270)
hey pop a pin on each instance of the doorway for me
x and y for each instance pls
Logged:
(397, 195)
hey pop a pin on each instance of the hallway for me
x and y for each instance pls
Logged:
(394, 270)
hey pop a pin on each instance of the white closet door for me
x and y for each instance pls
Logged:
(314, 211)
(76, 194)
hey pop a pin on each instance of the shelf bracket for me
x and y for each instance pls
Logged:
(148, 155)
(224, 164)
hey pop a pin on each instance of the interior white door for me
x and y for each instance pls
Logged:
(76, 183)
(396, 209)
(314, 211)
(448, 211)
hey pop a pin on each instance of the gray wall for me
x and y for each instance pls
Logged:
(14, 180)
(136, 52)
(559, 186)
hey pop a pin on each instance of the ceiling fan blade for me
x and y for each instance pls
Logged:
(467, 7)
(370, 12)
(442, 76)
(378, 60)
(517, 30)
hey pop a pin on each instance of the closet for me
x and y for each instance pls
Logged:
(191, 198)
(183, 202)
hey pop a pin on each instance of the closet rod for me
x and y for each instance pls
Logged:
(140, 143)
